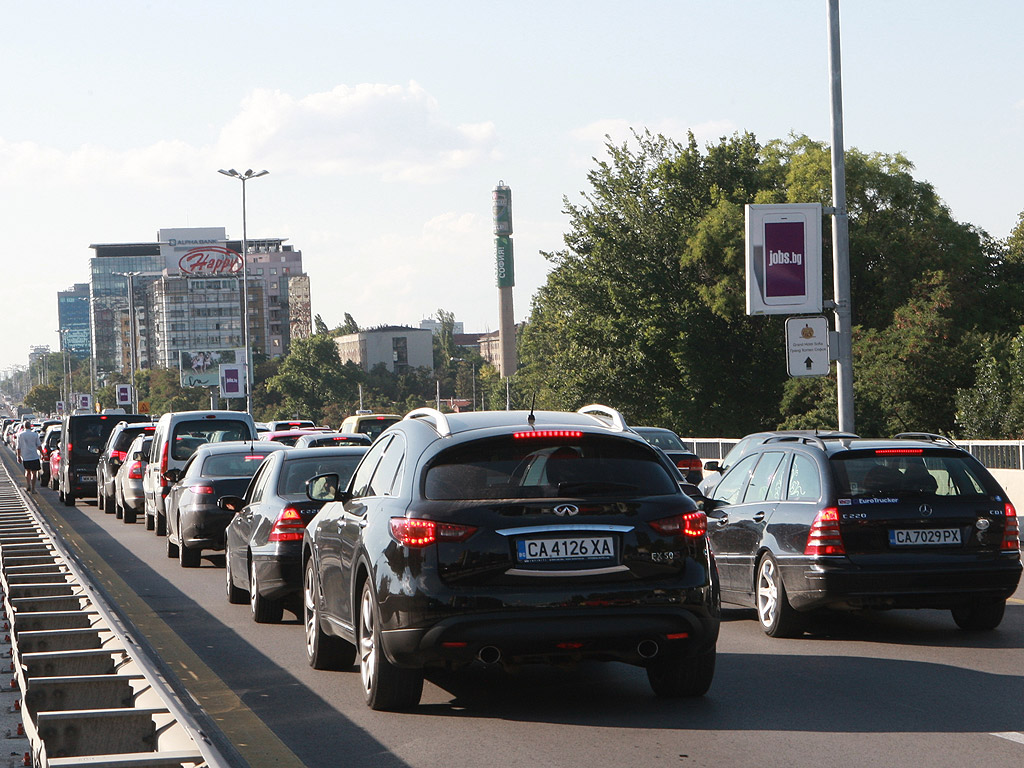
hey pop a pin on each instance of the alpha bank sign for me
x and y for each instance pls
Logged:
(198, 252)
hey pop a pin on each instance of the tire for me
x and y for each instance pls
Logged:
(677, 676)
(53, 482)
(68, 499)
(109, 504)
(235, 595)
(776, 615)
(150, 524)
(323, 651)
(385, 686)
(979, 617)
(118, 507)
(160, 525)
(264, 611)
(100, 496)
(172, 549)
(129, 515)
(187, 556)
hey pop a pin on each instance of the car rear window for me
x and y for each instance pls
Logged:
(189, 435)
(901, 472)
(88, 434)
(374, 425)
(241, 464)
(667, 441)
(128, 434)
(540, 467)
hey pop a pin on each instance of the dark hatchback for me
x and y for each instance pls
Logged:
(263, 547)
(195, 521)
(114, 454)
(507, 538)
(802, 523)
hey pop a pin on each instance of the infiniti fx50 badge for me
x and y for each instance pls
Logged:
(567, 509)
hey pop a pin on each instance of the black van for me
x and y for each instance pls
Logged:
(81, 441)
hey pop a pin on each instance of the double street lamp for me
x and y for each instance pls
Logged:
(244, 177)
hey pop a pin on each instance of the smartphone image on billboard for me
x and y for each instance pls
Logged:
(785, 262)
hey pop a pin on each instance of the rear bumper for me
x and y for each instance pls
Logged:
(204, 528)
(549, 635)
(839, 583)
(280, 574)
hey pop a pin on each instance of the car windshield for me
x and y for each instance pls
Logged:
(900, 473)
(189, 435)
(542, 467)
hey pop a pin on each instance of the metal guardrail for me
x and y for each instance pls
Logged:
(91, 697)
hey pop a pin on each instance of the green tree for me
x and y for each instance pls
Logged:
(42, 398)
(312, 379)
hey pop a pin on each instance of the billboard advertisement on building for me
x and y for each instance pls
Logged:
(201, 368)
(783, 255)
(198, 252)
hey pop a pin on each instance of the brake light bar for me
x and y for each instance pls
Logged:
(899, 451)
(542, 434)
(825, 537)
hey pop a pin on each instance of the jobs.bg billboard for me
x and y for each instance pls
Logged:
(783, 249)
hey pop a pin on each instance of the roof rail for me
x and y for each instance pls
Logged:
(606, 415)
(433, 416)
(927, 436)
(806, 439)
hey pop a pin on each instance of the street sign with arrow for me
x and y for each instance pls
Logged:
(807, 346)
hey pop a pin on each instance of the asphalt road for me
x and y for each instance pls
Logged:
(900, 688)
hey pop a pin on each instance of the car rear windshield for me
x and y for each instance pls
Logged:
(189, 435)
(297, 471)
(902, 472)
(241, 464)
(88, 434)
(664, 439)
(542, 467)
(128, 434)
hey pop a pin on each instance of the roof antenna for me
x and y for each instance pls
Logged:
(531, 418)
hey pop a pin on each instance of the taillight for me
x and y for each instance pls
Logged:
(693, 525)
(416, 533)
(288, 526)
(689, 463)
(825, 537)
(1011, 532)
(119, 455)
(163, 465)
(201, 489)
(135, 471)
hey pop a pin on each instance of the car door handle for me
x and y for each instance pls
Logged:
(759, 517)
(362, 522)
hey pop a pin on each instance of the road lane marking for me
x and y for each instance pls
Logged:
(1010, 736)
(1015, 600)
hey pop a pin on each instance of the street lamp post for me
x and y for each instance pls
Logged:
(244, 177)
(131, 335)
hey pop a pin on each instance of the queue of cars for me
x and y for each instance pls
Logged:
(515, 537)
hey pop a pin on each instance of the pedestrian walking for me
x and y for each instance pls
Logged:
(28, 454)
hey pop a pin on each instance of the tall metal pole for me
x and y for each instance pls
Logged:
(840, 231)
(244, 177)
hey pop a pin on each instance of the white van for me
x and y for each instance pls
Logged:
(176, 438)
(371, 424)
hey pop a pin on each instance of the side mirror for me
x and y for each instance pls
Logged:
(231, 503)
(712, 466)
(324, 487)
(173, 475)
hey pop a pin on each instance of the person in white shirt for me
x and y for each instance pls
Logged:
(28, 454)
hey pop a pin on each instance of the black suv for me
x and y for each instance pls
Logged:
(114, 454)
(509, 537)
(804, 522)
(82, 439)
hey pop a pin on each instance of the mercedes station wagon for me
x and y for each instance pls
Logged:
(510, 538)
(805, 522)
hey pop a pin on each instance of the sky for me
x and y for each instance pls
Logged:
(385, 126)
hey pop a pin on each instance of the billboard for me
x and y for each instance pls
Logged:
(198, 252)
(783, 249)
(124, 394)
(201, 368)
(232, 380)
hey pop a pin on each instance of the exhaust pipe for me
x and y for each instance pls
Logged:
(489, 655)
(647, 649)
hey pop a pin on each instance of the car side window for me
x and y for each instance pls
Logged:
(361, 481)
(804, 480)
(762, 476)
(259, 483)
(734, 483)
(778, 482)
(384, 479)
